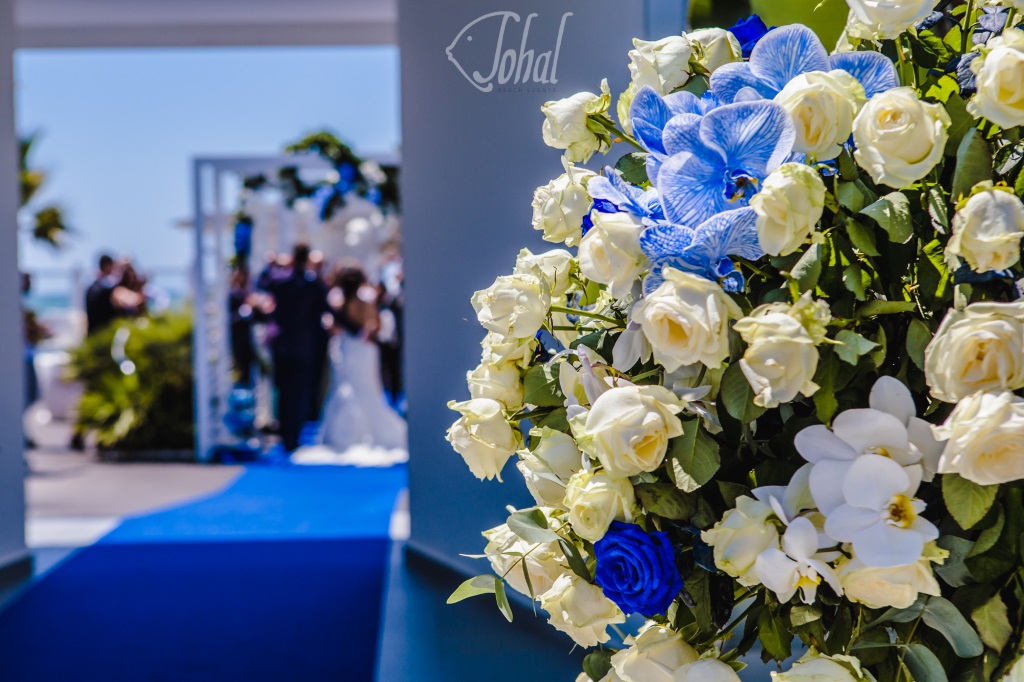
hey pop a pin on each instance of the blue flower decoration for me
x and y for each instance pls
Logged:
(703, 250)
(612, 194)
(637, 570)
(650, 113)
(787, 52)
(749, 32)
(716, 162)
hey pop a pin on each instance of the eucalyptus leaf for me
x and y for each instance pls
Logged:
(880, 307)
(575, 559)
(477, 585)
(531, 525)
(502, 599)
(923, 664)
(953, 570)
(941, 616)
(596, 664)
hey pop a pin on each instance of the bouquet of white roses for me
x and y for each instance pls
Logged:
(774, 396)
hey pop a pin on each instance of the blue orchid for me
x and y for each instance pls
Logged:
(612, 194)
(703, 250)
(749, 32)
(789, 51)
(650, 113)
(716, 162)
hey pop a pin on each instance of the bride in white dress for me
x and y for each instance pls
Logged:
(358, 425)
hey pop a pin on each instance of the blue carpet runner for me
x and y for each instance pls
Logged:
(278, 578)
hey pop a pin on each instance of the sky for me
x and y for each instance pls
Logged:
(118, 129)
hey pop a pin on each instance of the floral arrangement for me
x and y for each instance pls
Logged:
(772, 403)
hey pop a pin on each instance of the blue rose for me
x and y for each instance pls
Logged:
(637, 570)
(748, 31)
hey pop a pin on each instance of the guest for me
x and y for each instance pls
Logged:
(100, 310)
(243, 353)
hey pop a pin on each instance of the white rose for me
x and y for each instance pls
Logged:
(565, 124)
(706, 670)
(516, 305)
(580, 610)
(815, 667)
(656, 653)
(482, 436)
(884, 19)
(498, 382)
(899, 138)
(980, 348)
(610, 252)
(549, 466)
(498, 349)
(1000, 80)
(984, 439)
(560, 206)
(622, 106)
(739, 538)
(987, 230)
(788, 208)
(898, 587)
(628, 428)
(595, 499)
(661, 64)
(686, 320)
(545, 562)
(716, 47)
(822, 107)
(554, 265)
(780, 359)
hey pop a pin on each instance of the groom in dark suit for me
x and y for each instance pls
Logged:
(301, 302)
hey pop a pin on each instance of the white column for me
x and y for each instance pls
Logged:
(12, 362)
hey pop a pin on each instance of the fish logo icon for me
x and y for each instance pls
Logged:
(517, 65)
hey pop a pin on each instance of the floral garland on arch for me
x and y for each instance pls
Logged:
(774, 397)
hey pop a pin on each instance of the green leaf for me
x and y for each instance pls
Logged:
(730, 491)
(967, 501)
(502, 599)
(825, 402)
(541, 387)
(935, 200)
(853, 346)
(597, 664)
(993, 623)
(737, 396)
(633, 167)
(935, 284)
(531, 525)
(774, 636)
(961, 121)
(857, 281)
(808, 269)
(803, 614)
(923, 664)
(879, 307)
(693, 457)
(862, 238)
(665, 500)
(990, 536)
(953, 570)
(854, 195)
(892, 213)
(575, 559)
(477, 585)
(973, 163)
(941, 616)
(918, 337)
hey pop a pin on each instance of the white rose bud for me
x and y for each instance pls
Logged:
(706, 670)
(515, 305)
(661, 64)
(815, 667)
(595, 499)
(482, 436)
(565, 124)
(980, 348)
(822, 107)
(549, 466)
(555, 266)
(881, 588)
(580, 610)
(988, 229)
(984, 439)
(610, 252)
(899, 138)
(656, 653)
(501, 382)
(780, 359)
(560, 206)
(498, 349)
(885, 19)
(686, 320)
(1000, 80)
(788, 208)
(545, 562)
(628, 428)
(739, 538)
(716, 47)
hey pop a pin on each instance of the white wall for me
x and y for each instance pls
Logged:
(12, 463)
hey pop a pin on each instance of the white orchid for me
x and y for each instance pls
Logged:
(878, 517)
(798, 565)
(889, 428)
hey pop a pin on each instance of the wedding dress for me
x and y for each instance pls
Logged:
(358, 426)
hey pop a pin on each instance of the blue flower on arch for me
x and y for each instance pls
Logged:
(785, 53)
(612, 194)
(650, 113)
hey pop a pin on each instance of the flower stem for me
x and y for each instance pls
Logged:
(612, 128)
(585, 313)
